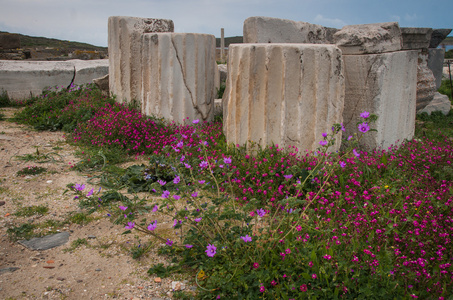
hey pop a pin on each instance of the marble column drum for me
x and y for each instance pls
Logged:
(286, 94)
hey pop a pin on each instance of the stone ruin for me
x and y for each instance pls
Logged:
(286, 84)
(170, 75)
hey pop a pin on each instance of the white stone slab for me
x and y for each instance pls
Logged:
(275, 30)
(24, 78)
(286, 94)
(178, 76)
(385, 85)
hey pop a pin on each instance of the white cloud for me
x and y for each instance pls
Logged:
(410, 18)
(337, 23)
(395, 18)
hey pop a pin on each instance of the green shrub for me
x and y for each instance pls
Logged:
(445, 88)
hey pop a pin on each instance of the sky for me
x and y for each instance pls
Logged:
(86, 20)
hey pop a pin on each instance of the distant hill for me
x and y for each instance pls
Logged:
(230, 40)
(27, 41)
(15, 46)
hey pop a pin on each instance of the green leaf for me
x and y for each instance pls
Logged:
(313, 255)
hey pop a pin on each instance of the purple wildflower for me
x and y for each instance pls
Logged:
(211, 250)
(365, 114)
(130, 225)
(152, 226)
(364, 127)
(246, 238)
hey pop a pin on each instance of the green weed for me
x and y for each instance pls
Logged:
(31, 170)
(29, 211)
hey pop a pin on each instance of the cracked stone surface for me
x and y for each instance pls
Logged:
(178, 78)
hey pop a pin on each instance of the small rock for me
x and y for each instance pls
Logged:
(157, 280)
(2, 203)
(48, 267)
(46, 242)
(98, 270)
(177, 286)
(91, 237)
(8, 270)
(79, 280)
(60, 278)
(49, 181)
(50, 261)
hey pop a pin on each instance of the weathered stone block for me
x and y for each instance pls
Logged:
(124, 43)
(436, 63)
(440, 103)
(438, 36)
(426, 83)
(416, 37)
(385, 85)
(24, 78)
(369, 38)
(103, 84)
(274, 30)
(178, 74)
(287, 94)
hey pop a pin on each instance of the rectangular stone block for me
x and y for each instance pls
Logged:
(286, 94)
(178, 76)
(436, 63)
(24, 78)
(124, 43)
(416, 37)
(275, 30)
(385, 85)
(369, 38)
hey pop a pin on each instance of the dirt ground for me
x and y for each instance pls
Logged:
(103, 269)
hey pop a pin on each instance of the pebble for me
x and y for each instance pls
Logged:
(49, 181)
(177, 286)
(48, 267)
(98, 270)
(91, 237)
(2, 203)
(60, 278)
(157, 280)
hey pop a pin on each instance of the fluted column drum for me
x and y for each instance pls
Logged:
(125, 34)
(286, 94)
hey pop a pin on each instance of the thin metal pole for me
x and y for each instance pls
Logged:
(222, 45)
